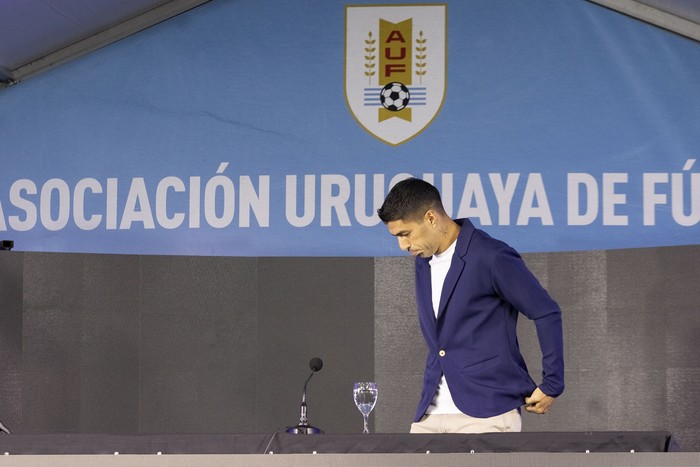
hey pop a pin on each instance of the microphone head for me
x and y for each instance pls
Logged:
(316, 364)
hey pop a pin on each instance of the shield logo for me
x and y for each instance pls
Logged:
(395, 67)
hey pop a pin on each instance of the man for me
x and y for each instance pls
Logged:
(469, 290)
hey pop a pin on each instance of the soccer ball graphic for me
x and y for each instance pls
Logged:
(394, 96)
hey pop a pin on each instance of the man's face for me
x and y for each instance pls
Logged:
(416, 237)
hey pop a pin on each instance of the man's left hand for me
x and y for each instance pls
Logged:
(538, 402)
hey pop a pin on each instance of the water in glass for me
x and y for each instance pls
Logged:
(365, 395)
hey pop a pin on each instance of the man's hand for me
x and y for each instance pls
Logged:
(538, 402)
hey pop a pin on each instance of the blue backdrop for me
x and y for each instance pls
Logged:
(226, 131)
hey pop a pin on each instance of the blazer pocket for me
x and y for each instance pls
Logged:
(493, 361)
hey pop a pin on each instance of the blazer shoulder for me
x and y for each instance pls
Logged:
(478, 242)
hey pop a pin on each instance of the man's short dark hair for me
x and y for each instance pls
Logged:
(409, 200)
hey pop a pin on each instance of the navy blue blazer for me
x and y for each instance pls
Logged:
(473, 340)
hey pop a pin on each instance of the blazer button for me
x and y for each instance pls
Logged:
(441, 353)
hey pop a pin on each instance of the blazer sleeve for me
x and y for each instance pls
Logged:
(516, 284)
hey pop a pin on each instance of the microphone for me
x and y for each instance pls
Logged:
(303, 428)
(315, 364)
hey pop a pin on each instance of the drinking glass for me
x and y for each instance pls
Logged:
(365, 395)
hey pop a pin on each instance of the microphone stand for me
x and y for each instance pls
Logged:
(4, 429)
(303, 428)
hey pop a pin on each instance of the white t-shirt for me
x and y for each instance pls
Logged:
(439, 265)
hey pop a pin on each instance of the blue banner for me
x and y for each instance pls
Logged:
(273, 129)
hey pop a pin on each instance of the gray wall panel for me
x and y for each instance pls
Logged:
(109, 345)
(682, 390)
(314, 307)
(194, 285)
(109, 401)
(52, 342)
(11, 266)
(11, 286)
(636, 398)
(198, 343)
(50, 401)
(398, 344)
(53, 282)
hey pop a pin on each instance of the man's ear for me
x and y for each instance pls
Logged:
(431, 217)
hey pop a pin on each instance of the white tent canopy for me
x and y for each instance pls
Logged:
(679, 16)
(36, 35)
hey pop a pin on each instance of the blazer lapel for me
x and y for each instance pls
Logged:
(424, 294)
(458, 263)
(453, 275)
